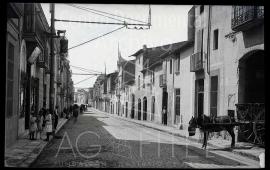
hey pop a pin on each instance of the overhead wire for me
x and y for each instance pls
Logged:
(84, 79)
(115, 15)
(82, 8)
(86, 70)
(96, 37)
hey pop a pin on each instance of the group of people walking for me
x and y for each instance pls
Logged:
(46, 120)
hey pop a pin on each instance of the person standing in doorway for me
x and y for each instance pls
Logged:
(164, 116)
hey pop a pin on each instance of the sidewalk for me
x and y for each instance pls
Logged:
(25, 151)
(241, 148)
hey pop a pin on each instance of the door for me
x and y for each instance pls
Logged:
(126, 109)
(139, 109)
(199, 97)
(165, 105)
(133, 106)
(144, 108)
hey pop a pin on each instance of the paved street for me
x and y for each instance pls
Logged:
(99, 140)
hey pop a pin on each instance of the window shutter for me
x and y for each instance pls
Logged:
(199, 40)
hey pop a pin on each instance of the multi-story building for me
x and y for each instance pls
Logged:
(228, 59)
(125, 79)
(28, 66)
(111, 84)
(218, 71)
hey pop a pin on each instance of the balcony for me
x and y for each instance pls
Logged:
(162, 80)
(245, 17)
(196, 62)
(41, 64)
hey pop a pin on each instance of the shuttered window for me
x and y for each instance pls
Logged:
(170, 66)
(199, 40)
(10, 77)
(215, 39)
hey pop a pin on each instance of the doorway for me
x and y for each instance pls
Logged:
(132, 106)
(139, 109)
(164, 106)
(199, 97)
(144, 108)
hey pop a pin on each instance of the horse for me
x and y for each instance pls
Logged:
(207, 124)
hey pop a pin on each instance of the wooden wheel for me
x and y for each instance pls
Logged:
(259, 128)
(252, 127)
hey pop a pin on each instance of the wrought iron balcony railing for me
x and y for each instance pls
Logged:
(245, 17)
(196, 62)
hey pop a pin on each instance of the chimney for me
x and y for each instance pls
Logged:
(191, 24)
(144, 47)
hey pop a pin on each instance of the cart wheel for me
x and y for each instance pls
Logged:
(259, 128)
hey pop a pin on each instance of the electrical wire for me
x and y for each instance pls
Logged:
(86, 70)
(84, 80)
(94, 12)
(96, 38)
(115, 15)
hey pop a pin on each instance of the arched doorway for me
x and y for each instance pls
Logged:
(144, 108)
(139, 109)
(133, 106)
(251, 87)
(251, 97)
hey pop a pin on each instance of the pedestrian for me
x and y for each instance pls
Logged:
(48, 124)
(55, 119)
(39, 123)
(33, 125)
(75, 112)
(164, 116)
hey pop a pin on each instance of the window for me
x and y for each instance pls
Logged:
(144, 80)
(213, 95)
(10, 78)
(215, 40)
(153, 77)
(177, 63)
(201, 9)
(199, 40)
(177, 101)
(170, 66)
(139, 60)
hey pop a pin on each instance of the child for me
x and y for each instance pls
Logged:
(48, 124)
(39, 123)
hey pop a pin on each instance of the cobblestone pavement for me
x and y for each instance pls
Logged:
(99, 140)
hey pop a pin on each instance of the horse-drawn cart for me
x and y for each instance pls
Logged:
(251, 121)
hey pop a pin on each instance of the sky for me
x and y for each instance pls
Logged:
(169, 25)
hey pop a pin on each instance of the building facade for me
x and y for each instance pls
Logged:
(28, 67)
(218, 71)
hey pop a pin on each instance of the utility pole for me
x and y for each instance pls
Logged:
(51, 105)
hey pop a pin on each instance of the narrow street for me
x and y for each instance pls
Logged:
(99, 140)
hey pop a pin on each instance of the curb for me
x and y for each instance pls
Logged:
(30, 164)
(256, 158)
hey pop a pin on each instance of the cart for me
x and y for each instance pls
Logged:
(251, 122)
